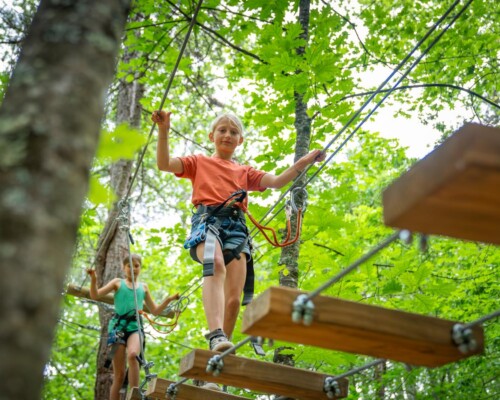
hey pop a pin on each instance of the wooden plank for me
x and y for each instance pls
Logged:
(453, 191)
(84, 292)
(357, 328)
(158, 388)
(135, 394)
(259, 376)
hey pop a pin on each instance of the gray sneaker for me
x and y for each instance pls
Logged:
(212, 386)
(218, 341)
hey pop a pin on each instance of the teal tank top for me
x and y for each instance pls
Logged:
(125, 305)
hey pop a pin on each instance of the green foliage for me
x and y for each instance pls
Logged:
(244, 57)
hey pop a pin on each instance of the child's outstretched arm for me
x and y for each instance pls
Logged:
(95, 293)
(163, 160)
(278, 181)
(156, 309)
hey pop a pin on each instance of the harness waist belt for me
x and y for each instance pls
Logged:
(223, 212)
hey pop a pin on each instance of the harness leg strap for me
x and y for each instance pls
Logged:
(209, 251)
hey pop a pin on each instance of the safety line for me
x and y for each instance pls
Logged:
(148, 141)
(481, 320)
(358, 112)
(359, 369)
(355, 265)
(165, 94)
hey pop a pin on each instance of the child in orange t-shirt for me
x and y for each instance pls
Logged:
(216, 181)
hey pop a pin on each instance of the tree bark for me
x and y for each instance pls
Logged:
(113, 250)
(49, 127)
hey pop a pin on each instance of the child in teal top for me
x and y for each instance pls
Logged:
(124, 322)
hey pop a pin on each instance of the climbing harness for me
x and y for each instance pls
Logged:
(209, 230)
(117, 333)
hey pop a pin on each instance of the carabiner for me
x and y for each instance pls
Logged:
(292, 198)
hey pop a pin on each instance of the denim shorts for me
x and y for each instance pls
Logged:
(232, 232)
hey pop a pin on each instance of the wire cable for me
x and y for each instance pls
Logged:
(365, 104)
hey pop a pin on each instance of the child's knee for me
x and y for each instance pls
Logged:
(132, 356)
(233, 303)
(219, 266)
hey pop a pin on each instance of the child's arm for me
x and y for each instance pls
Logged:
(153, 307)
(95, 293)
(278, 181)
(163, 160)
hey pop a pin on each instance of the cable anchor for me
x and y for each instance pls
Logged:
(171, 391)
(331, 387)
(463, 337)
(215, 365)
(303, 310)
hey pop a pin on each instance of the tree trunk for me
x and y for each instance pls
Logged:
(289, 276)
(379, 372)
(49, 127)
(114, 249)
(290, 254)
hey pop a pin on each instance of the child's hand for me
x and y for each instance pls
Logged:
(176, 296)
(312, 157)
(161, 118)
(91, 272)
(317, 156)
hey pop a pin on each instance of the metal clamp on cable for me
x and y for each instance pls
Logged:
(303, 310)
(423, 243)
(257, 343)
(331, 387)
(171, 391)
(405, 236)
(215, 365)
(463, 338)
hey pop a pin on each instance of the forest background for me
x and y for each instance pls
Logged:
(296, 72)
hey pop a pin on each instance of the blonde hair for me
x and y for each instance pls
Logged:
(232, 118)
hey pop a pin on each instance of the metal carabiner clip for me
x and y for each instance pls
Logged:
(293, 192)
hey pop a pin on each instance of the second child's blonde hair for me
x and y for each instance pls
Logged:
(232, 118)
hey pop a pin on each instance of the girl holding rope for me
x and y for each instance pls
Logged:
(123, 332)
(216, 180)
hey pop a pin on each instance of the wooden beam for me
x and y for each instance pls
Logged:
(260, 376)
(453, 191)
(135, 394)
(357, 328)
(84, 293)
(158, 388)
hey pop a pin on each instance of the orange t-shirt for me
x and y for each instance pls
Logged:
(215, 179)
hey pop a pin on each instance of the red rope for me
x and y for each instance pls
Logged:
(274, 241)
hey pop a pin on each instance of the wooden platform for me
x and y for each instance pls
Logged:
(453, 191)
(356, 328)
(108, 299)
(157, 389)
(260, 376)
(135, 394)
